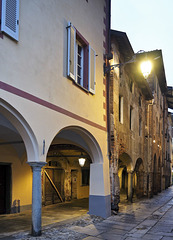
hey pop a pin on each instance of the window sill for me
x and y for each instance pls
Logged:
(82, 88)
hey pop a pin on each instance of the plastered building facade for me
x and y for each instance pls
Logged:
(53, 105)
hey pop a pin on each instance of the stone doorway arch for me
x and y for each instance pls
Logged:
(139, 178)
(99, 201)
(125, 174)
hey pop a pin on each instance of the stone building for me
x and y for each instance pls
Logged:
(138, 123)
(53, 105)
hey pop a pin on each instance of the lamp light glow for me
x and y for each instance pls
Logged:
(146, 67)
(82, 161)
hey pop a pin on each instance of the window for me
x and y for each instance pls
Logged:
(79, 63)
(120, 109)
(140, 101)
(85, 177)
(81, 60)
(140, 126)
(131, 86)
(10, 18)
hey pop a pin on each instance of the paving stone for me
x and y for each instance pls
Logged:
(135, 235)
(130, 224)
(91, 238)
(110, 236)
(88, 231)
(151, 237)
(167, 238)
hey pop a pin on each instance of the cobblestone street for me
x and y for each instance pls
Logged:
(146, 219)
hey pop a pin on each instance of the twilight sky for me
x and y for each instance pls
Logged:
(148, 25)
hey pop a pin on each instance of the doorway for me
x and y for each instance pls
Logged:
(53, 181)
(5, 188)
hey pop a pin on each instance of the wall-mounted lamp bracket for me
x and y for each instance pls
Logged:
(111, 67)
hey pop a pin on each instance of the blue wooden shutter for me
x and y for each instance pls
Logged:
(71, 51)
(91, 70)
(10, 18)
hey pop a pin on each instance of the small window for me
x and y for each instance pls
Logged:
(81, 60)
(10, 18)
(85, 177)
(121, 109)
(131, 86)
(140, 126)
(140, 101)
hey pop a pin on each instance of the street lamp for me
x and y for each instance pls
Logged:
(146, 65)
(81, 161)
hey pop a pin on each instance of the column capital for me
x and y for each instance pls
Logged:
(38, 165)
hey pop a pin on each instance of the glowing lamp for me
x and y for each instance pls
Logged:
(146, 67)
(81, 161)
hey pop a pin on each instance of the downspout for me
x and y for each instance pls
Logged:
(107, 58)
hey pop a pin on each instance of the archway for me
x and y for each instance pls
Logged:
(11, 118)
(125, 174)
(139, 178)
(88, 181)
(17, 153)
(64, 178)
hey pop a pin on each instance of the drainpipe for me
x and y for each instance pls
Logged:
(107, 58)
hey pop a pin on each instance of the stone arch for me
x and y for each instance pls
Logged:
(125, 160)
(99, 201)
(82, 138)
(125, 174)
(23, 128)
(139, 178)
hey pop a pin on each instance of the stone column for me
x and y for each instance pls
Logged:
(130, 185)
(145, 184)
(36, 197)
(150, 185)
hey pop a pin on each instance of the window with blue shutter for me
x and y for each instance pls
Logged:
(71, 51)
(80, 60)
(10, 18)
(91, 70)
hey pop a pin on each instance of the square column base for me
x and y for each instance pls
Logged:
(100, 205)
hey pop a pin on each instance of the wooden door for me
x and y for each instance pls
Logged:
(57, 178)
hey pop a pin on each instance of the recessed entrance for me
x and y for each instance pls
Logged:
(5, 188)
(63, 179)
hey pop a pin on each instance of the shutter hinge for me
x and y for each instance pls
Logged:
(17, 22)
